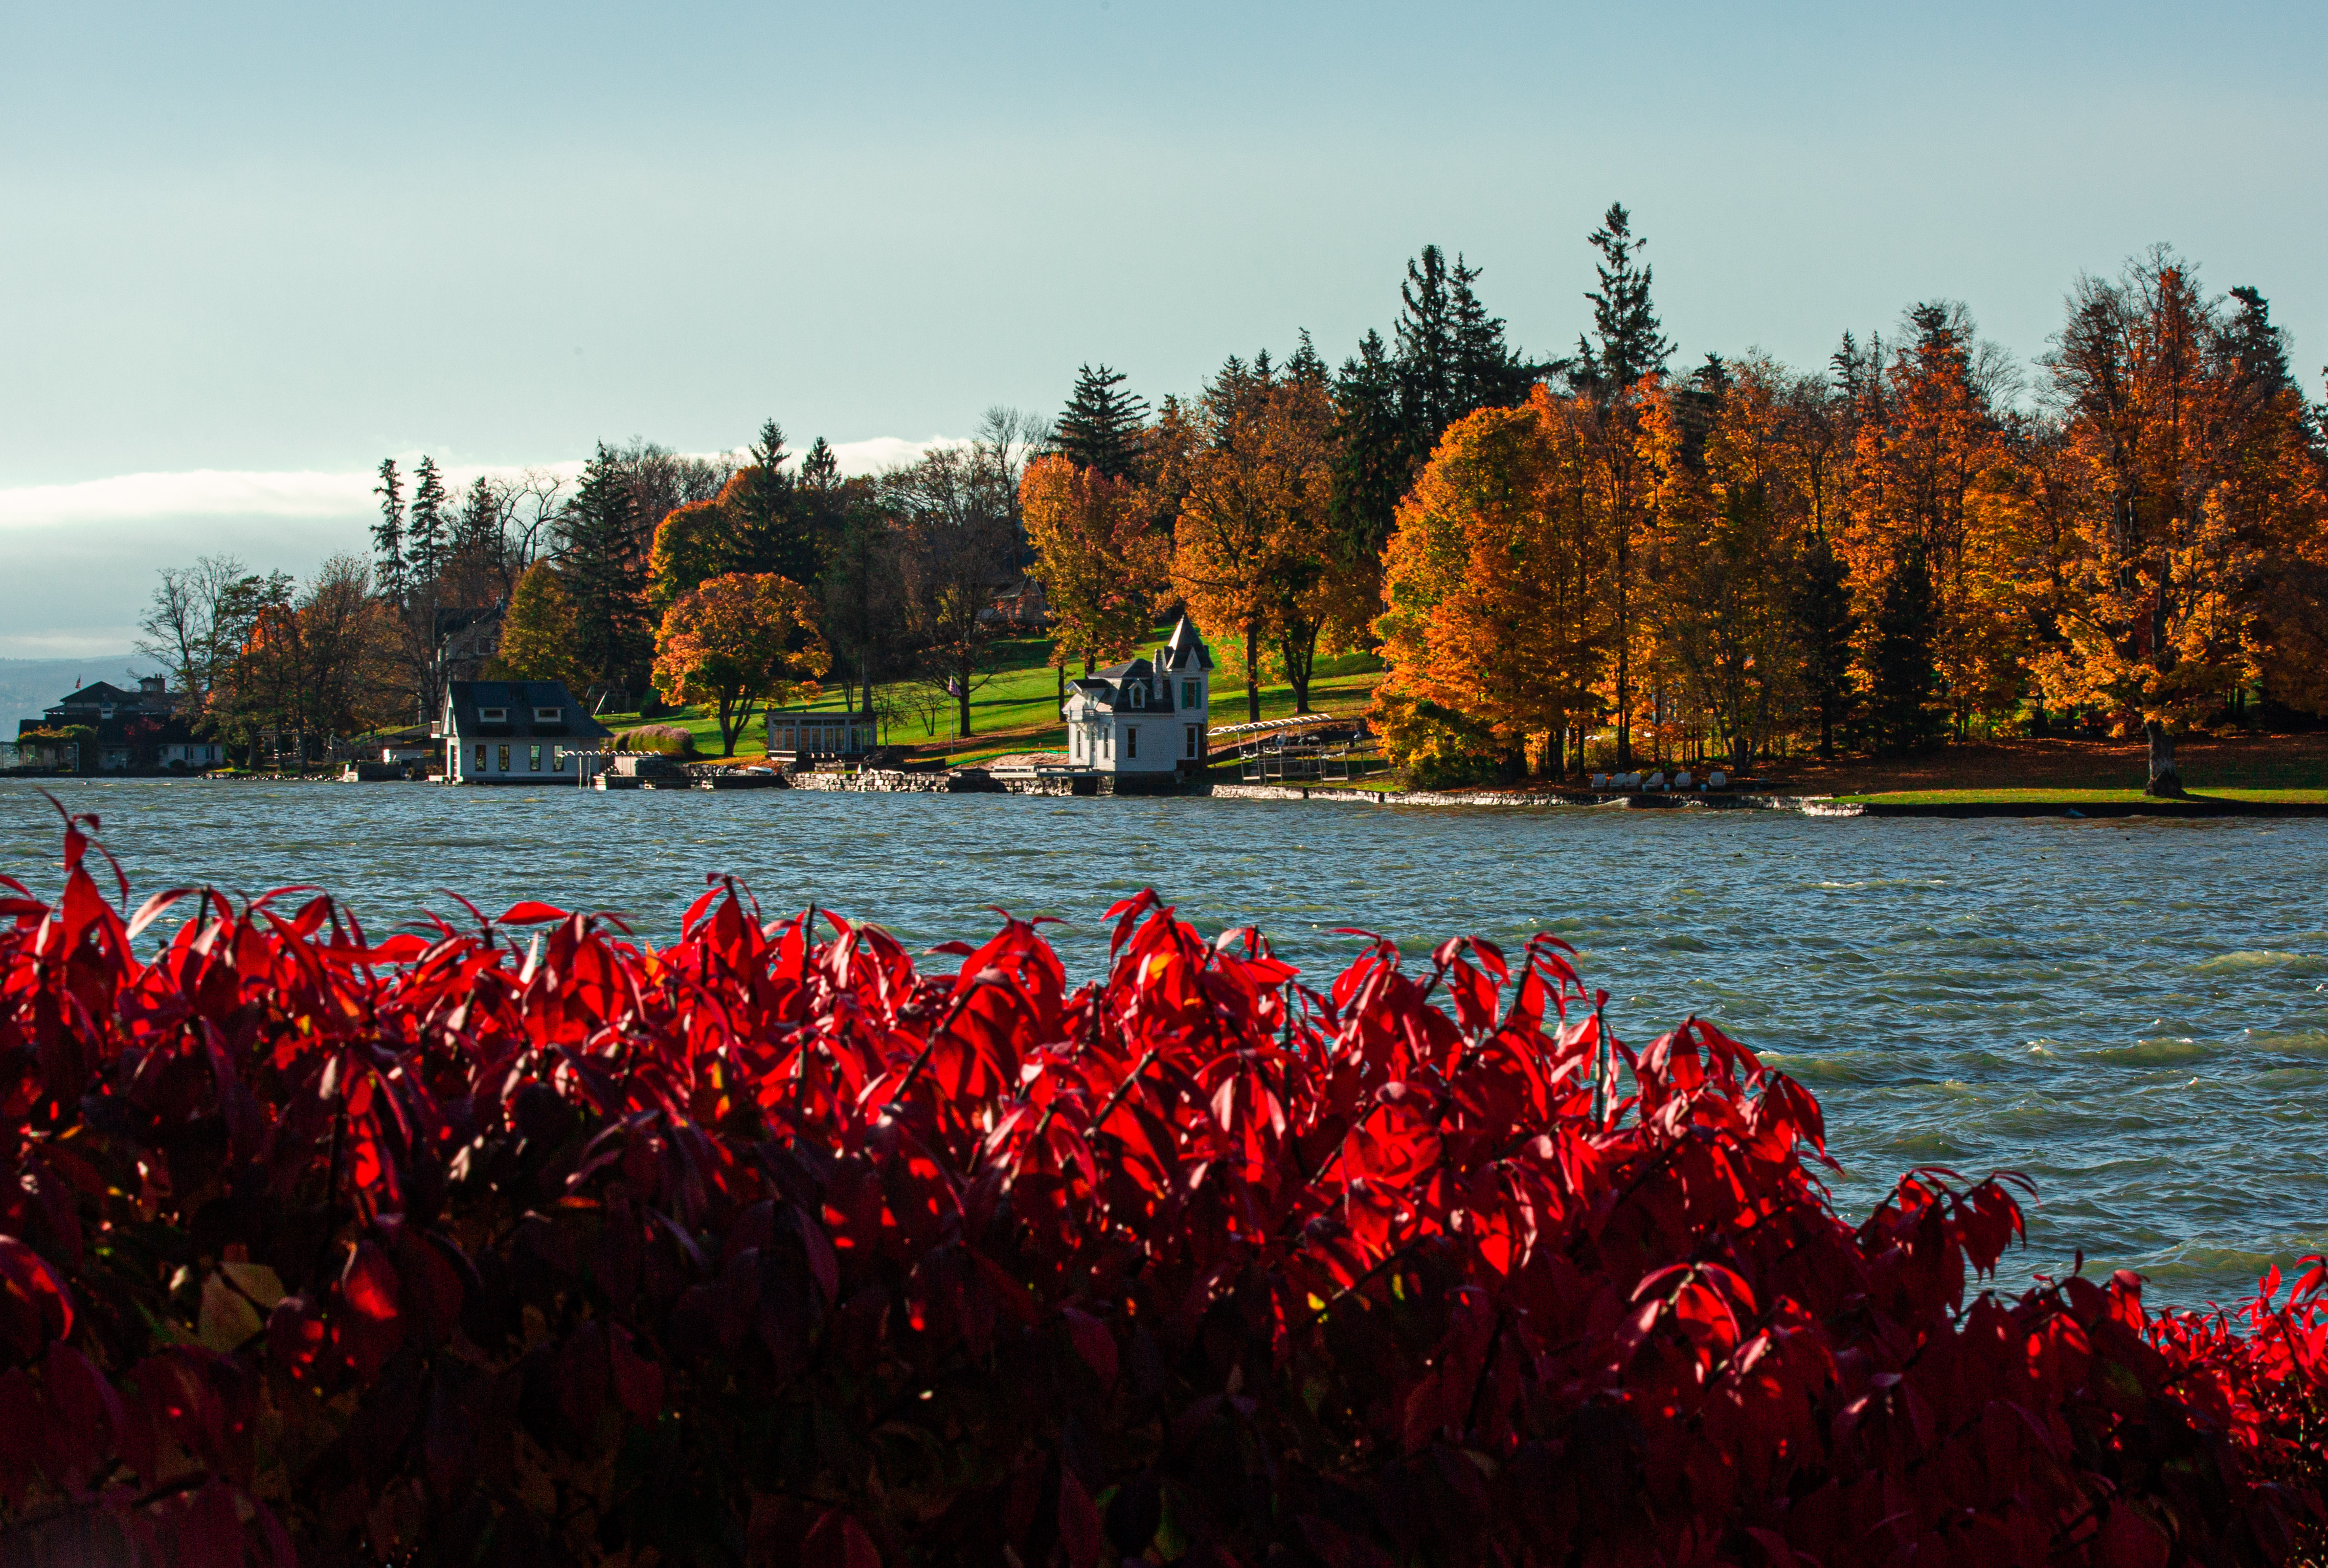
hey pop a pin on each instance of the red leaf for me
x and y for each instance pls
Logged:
(34, 1305)
(1079, 1525)
(1094, 1343)
(638, 1382)
(530, 912)
(838, 1541)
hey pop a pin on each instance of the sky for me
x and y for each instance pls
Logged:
(248, 251)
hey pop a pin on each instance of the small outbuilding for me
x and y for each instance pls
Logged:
(516, 732)
(1146, 715)
(806, 736)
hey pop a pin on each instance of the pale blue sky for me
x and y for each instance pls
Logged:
(292, 239)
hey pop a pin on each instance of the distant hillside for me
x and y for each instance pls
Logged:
(28, 687)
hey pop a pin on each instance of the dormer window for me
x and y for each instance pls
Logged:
(547, 715)
(1139, 697)
(493, 716)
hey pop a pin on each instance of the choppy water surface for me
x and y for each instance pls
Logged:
(2134, 1013)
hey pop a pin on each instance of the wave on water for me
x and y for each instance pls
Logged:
(2161, 1049)
(2262, 958)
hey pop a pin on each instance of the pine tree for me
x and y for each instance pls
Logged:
(1305, 369)
(1906, 676)
(1371, 464)
(1487, 372)
(607, 574)
(430, 524)
(388, 533)
(1628, 344)
(764, 513)
(1823, 623)
(1100, 427)
(819, 469)
(1631, 341)
(1426, 337)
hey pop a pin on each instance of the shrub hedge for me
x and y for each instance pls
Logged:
(519, 1240)
(662, 739)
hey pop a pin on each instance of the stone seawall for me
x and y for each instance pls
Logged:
(963, 780)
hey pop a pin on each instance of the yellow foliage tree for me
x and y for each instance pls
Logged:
(739, 639)
(1254, 542)
(1101, 560)
(1495, 627)
(2186, 484)
(537, 630)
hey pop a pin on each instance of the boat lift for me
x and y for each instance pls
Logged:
(1319, 746)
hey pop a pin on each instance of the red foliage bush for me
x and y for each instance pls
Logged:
(525, 1241)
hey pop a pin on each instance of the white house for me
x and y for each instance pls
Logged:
(1145, 716)
(516, 732)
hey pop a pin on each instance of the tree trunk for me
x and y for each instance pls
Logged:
(2163, 780)
(963, 701)
(1253, 674)
(1300, 654)
(1624, 654)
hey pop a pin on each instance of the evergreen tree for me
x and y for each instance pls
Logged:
(820, 469)
(1427, 358)
(1904, 713)
(478, 532)
(1100, 427)
(605, 576)
(2259, 351)
(429, 525)
(1372, 467)
(1630, 340)
(771, 532)
(1487, 372)
(388, 533)
(1823, 623)
(1305, 369)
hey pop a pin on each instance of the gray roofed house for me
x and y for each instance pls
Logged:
(1144, 715)
(515, 732)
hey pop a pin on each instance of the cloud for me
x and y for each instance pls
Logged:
(307, 492)
(78, 642)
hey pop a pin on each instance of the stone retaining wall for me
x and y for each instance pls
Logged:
(895, 781)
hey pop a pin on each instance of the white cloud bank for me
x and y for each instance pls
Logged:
(94, 546)
(306, 494)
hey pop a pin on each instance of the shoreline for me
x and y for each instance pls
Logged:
(2069, 805)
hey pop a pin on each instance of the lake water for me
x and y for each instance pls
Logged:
(2134, 1013)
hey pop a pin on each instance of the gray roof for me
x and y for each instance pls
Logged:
(1184, 649)
(518, 699)
(1106, 688)
(98, 693)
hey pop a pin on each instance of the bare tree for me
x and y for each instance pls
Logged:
(959, 547)
(193, 627)
(530, 504)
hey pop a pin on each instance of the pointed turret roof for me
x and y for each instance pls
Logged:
(1184, 647)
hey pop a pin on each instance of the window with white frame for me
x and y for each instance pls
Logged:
(1131, 741)
(547, 715)
(493, 716)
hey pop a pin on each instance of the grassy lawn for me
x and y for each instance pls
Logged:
(1017, 707)
(2072, 797)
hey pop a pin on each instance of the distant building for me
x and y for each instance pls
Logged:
(516, 732)
(801, 734)
(467, 640)
(1146, 715)
(129, 732)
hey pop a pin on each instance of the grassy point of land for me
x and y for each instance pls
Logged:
(2074, 797)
